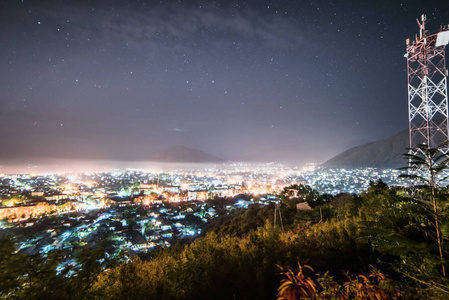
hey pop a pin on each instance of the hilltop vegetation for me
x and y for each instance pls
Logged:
(343, 237)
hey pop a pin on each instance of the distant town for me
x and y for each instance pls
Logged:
(139, 212)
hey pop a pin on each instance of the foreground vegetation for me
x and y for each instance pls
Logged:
(381, 243)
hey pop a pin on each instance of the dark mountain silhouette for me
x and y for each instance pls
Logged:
(298, 153)
(386, 153)
(184, 155)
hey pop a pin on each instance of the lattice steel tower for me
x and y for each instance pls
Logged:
(427, 87)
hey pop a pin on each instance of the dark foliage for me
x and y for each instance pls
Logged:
(381, 231)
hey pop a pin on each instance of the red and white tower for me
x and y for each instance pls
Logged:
(427, 87)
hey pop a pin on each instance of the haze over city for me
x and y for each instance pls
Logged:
(120, 80)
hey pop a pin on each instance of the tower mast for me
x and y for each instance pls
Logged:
(427, 87)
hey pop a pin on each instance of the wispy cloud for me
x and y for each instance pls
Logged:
(177, 129)
(174, 27)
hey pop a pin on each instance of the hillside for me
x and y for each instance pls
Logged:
(386, 153)
(298, 153)
(184, 155)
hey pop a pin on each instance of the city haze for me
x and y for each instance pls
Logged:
(119, 81)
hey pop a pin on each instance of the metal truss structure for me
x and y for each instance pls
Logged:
(427, 88)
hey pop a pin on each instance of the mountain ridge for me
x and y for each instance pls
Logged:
(385, 153)
(300, 153)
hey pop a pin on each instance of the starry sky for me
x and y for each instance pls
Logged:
(123, 79)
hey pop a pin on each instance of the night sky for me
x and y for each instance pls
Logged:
(123, 79)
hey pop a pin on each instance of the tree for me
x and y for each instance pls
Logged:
(10, 267)
(377, 187)
(41, 280)
(295, 193)
(427, 165)
(13, 201)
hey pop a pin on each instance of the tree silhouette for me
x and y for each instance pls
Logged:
(428, 165)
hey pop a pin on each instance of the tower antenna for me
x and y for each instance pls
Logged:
(427, 87)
